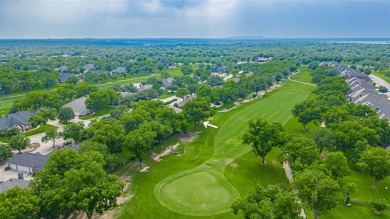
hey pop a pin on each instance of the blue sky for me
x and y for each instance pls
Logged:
(194, 18)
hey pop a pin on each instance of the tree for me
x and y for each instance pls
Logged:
(12, 131)
(337, 164)
(66, 114)
(19, 203)
(43, 116)
(308, 111)
(187, 70)
(19, 142)
(324, 138)
(74, 131)
(72, 79)
(109, 132)
(49, 81)
(182, 92)
(317, 189)
(51, 135)
(197, 110)
(383, 89)
(377, 162)
(136, 143)
(270, 202)
(379, 205)
(97, 101)
(71, 181)
(300, 152)
(263, 136)
(5, 152)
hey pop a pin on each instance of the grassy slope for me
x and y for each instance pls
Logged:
(303, 75)
(274, 106)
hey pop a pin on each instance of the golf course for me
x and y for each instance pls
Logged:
(216, 168)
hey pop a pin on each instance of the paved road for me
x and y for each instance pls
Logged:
(379, 81)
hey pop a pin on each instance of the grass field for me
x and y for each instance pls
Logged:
(304, 75)
(217, 168)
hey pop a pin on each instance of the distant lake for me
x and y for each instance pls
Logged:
(176, 41)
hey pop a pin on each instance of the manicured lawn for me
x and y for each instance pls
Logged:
(381, 75)
(6, 103)
(166, 95)
(98, 113)
(304, 75)
(216, 164)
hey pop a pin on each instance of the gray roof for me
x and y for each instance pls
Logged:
(36, 161)
(78, 106)
(97, 72)
(236, 80)
(19, 118)
(119, 70)
(13, 182)
(63, 76)
(89, 67)
(145, 87)
(249, 74)
(167, 82)
(61, 68)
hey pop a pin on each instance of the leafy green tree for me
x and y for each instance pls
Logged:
(377, 162)
(109, 132)
(383, 89)
(49, 81)
(19, 142)
(324, 138)
(300, 152)
(66, 114)
(337, 164)
(19, 203)
(12, 131)
(308, 111)
(182, 92)
(98, 101)
(187, 70)
(197, 110)
(137, 144)
(44, 115)
(214, 81)
(318, 190)
(5, 152)
(72, 79)
(51, 135)
(379, 205)
(270, 202)
(71, 181)
(263, 136)
(74, 131)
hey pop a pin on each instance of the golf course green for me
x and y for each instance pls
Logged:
(204, 189)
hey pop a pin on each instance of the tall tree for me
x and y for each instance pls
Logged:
(66, 114)
(74, 131)
(263, 136)
(5, 152)
(51, 135)
(182, 92)
(337, 164)
(19, 203)
(197, 110)
(318, 190)
(377, 162)
(270, 202)
(71, 181)
(300, 152)
(19, 142)
(136, 143)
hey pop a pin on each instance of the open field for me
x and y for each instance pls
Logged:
(216, 160)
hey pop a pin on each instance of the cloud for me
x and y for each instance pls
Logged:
(193, 18)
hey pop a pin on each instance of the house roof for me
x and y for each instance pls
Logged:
(19, 118)
(89, 67)
(119, 70)
(97, 72)
(63, 76)
(61, 68)
(145, 87)
(36, 161)
(13, 182)
(249, 74)
(167, 82)
(78, 106)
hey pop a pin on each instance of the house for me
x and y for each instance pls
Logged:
(78, 106)
(89, 67)
(167, 82)
(131, 61)
(145, 87)
(13, 182)
(262, 59)
(61, 68)
(28, 162)
(18, 119)
(63, 76)
(119, 70)
(249, 74)
(218, 70)
(236, 80)
(96, 72)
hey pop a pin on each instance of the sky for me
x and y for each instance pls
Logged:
(194, 18)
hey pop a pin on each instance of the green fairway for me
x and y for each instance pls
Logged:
(304, 75)
(217, 168)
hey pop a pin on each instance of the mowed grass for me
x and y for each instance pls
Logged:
(6, 103)
(304, 75)
(219, 150)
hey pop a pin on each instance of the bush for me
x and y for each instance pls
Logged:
(379, 205)
(12, 131)
(383, 89)
(5, 152)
